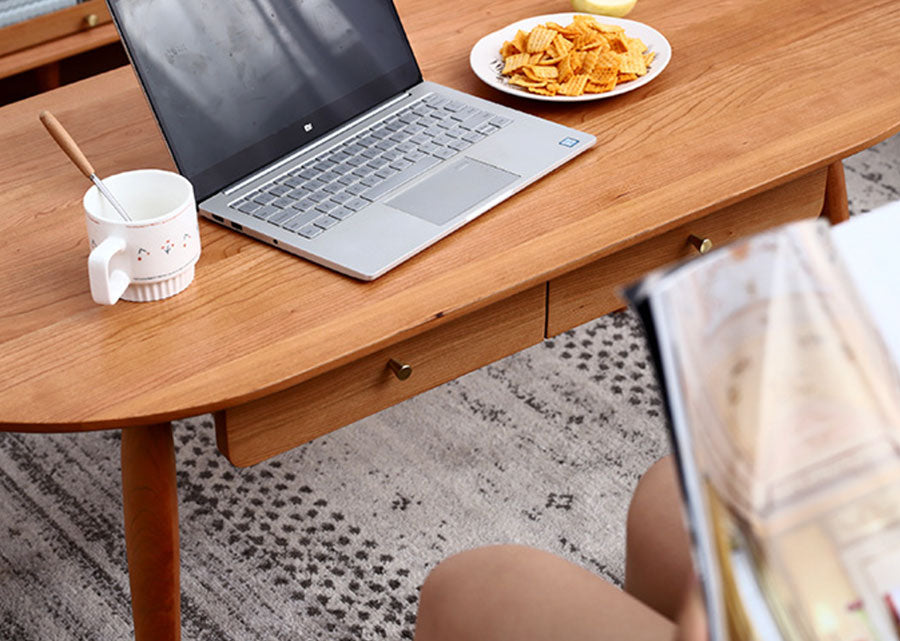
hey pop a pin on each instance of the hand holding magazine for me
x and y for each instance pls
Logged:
(780, 363)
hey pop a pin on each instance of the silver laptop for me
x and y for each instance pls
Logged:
(306, 124)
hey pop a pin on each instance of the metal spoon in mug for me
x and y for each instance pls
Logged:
(65, 142)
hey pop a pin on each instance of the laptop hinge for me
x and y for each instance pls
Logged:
(312, 146)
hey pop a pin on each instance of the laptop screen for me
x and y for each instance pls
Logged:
(236, 85)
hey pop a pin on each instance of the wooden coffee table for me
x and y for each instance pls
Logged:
(742, 131)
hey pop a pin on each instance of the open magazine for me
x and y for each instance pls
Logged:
(779, 358)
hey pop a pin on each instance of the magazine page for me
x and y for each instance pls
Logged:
(870, 248)
(789, 408)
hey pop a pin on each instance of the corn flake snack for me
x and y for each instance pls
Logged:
(583, 57)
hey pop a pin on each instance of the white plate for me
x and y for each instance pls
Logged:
(487, 62)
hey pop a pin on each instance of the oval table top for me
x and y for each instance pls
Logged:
(758, 92)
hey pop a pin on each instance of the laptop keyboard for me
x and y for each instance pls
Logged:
(312, 198)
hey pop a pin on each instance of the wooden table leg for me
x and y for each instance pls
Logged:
(836, 208)
(151, 531)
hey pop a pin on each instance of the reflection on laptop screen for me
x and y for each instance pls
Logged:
(236, 85)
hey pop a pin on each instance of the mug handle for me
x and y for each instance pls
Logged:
(106, 287)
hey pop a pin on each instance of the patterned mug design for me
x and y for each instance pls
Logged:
(151, 255)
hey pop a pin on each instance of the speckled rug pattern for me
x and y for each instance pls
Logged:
(333, 539)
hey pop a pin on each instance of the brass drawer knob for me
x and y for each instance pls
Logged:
(91, 20)
(702, 245)
(401, 370)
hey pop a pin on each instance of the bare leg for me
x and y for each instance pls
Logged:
(515, 592)
(151, 531)
(658, 566)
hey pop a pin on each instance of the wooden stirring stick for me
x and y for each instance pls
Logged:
(65, 142)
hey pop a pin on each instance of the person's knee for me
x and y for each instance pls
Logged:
(471, 588)
(657, 547)
(447, 577)
(463, 573)
(461, 584)
(657, 495)
(435, 609)
(659, 478)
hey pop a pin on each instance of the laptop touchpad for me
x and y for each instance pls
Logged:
(451, 191)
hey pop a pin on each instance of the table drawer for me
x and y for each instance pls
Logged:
(50, 26)
(263, 428)
(592, 290)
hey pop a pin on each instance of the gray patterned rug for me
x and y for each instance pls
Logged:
(333, 540)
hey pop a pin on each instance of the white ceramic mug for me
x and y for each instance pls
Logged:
(152, 256)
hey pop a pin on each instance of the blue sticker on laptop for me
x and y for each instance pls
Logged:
(568, 142)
